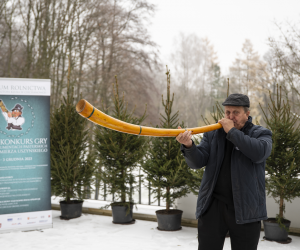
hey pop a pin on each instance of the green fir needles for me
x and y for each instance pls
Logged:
(165, 166)
(72, 166)
(283, 165)
(120, 153)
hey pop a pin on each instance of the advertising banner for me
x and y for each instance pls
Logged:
(25, 188)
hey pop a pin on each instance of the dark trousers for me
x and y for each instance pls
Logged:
(214, 224)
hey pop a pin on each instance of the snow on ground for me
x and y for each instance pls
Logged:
(98, 232)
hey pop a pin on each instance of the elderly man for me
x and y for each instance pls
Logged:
(232, 192)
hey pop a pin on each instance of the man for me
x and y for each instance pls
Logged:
(232, 192)
(14, 118)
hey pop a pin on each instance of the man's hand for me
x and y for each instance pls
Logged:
(185, 138)
(227, 124)
(9, 114)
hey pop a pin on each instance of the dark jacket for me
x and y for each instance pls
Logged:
(252, 147)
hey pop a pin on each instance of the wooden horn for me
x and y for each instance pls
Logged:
(85, 109)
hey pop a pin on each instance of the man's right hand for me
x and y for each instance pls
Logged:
(9, 114)
(185, 138)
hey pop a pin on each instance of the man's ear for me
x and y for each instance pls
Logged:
(248, 113)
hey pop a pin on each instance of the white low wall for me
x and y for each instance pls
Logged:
(292, 210)
(292, 213)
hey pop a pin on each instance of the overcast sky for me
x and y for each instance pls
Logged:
(226, 23)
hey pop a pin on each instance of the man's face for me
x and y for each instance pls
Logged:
(16, 113)
(237, 115)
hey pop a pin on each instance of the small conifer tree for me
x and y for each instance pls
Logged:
(283, 165)
(72, 167)
(165, 167)
(120, 152)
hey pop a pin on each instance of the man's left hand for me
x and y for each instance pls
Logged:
(227, 124)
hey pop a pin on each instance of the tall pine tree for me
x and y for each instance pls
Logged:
(165, 167)
(120, 152)
(283, 165)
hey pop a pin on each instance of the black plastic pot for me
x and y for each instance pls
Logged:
(71, 210)
(119, 213)
(274, 232)
(169, 220)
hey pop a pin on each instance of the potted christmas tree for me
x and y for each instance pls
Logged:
(120, 153)
(283, 165)
(72, 166)
(167, 170)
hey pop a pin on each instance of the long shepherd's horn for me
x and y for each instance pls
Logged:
(85, 109)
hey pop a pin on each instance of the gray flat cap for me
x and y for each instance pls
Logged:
(237, 100)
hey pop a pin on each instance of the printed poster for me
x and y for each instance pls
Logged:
(25, 187)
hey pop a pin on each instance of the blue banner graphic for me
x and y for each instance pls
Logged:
(24, 146)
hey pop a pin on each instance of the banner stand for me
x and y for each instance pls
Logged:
(25, 184)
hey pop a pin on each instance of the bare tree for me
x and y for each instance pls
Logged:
(100, 38)
(10, 39)
(286, 56)
(197, 76)
(123, 47)
(249, 75)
